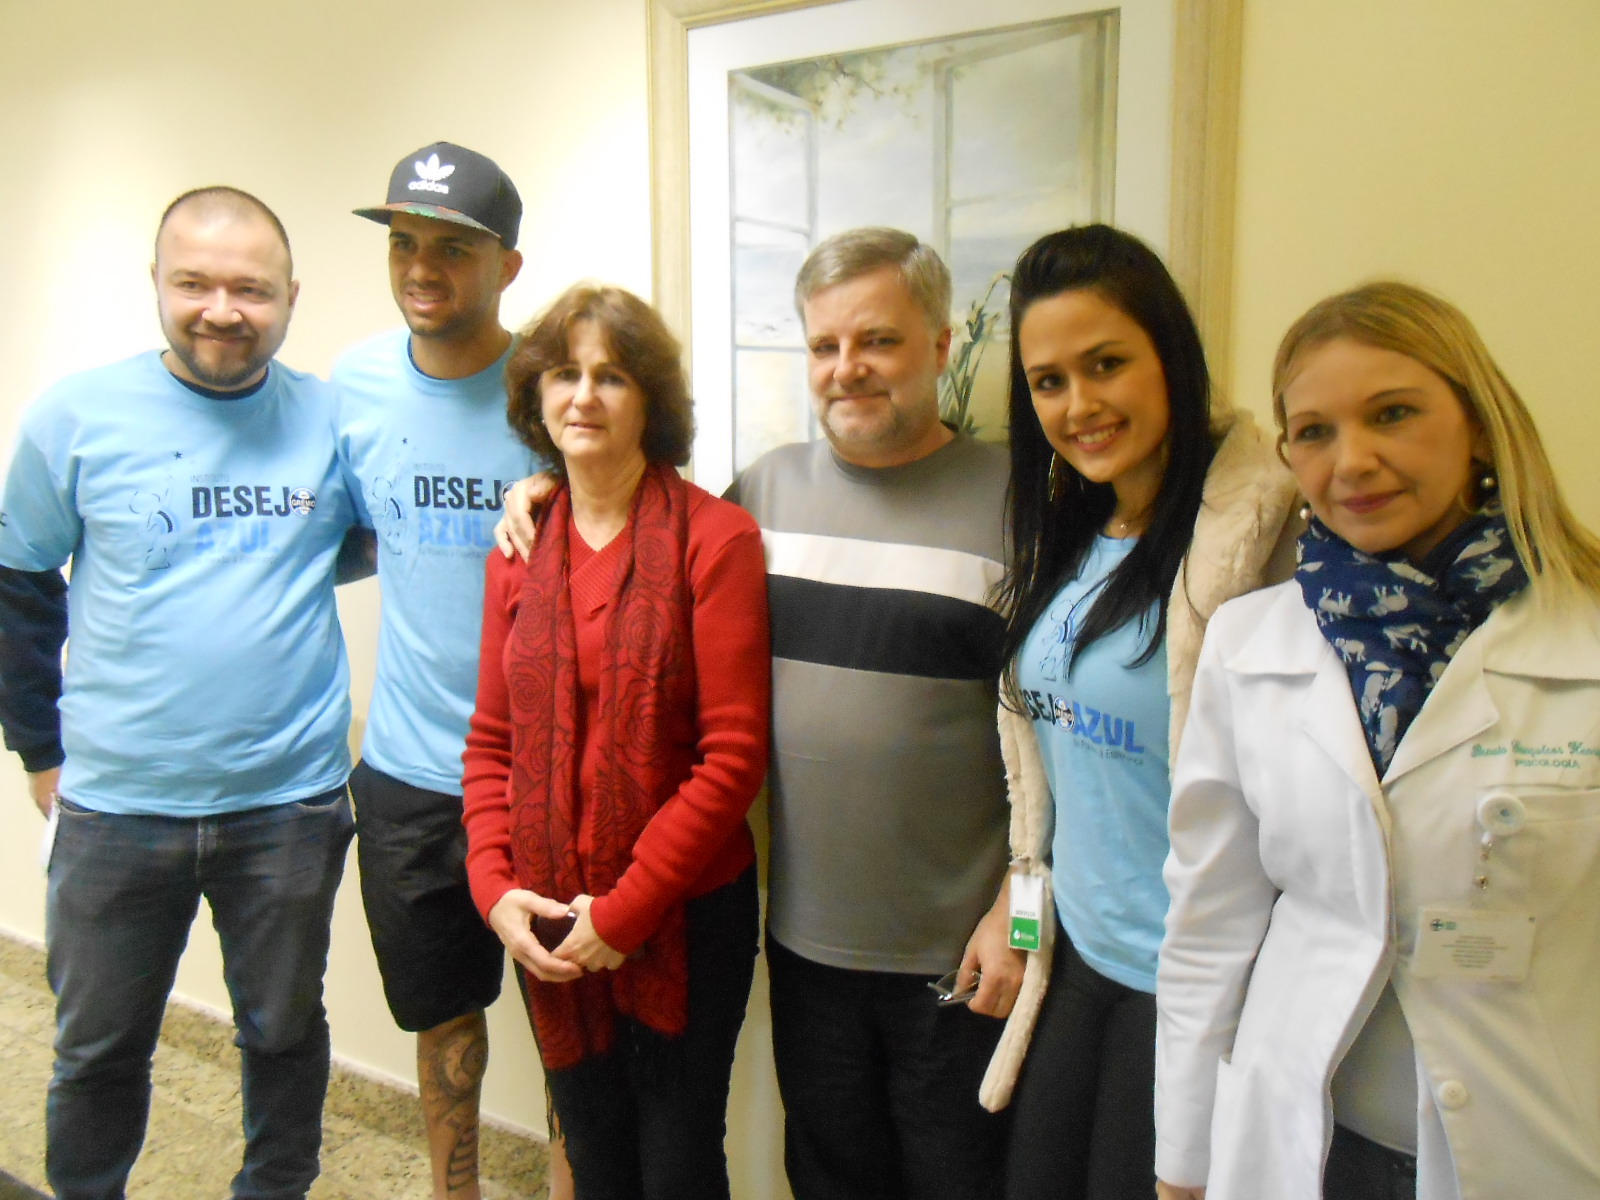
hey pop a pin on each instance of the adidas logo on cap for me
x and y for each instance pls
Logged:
(429, 175)
(478, 193)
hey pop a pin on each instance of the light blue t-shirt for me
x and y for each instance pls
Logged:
(205, 669)
(431, 458)
(1102, 732)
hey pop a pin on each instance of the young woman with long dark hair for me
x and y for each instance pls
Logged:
(1137, 506)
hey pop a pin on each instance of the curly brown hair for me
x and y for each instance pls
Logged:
(642, 345)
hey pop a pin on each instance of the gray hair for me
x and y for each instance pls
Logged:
(855, 252)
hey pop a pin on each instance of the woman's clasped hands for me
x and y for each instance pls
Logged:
(583, 949)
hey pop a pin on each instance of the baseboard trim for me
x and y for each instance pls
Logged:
(12, 1188)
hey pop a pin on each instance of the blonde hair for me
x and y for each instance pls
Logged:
(1561, 556)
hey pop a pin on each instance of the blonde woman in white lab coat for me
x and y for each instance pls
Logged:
(1379, 978)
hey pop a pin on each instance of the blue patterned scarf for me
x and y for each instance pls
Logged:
(1396, 626)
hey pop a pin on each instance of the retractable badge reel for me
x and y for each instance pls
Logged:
(1480, 944)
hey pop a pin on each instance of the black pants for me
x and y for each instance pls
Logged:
(1359, 1169)
(1084, 1123)
(880, 1086)
(632, 1135)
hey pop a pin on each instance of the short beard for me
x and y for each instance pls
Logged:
(219, 380)
(889, 431)
(462, 327)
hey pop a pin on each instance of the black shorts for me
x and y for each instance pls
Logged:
(439, 961)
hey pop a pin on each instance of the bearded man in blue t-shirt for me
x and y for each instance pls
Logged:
(199, 747)
(422, 428)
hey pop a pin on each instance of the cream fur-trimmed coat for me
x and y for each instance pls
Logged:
(1243, 538)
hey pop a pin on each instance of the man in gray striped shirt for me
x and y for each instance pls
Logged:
(888, 797)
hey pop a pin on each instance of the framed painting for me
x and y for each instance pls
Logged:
(978, 128)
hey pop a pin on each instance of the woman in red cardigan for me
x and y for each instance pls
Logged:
(619, 738)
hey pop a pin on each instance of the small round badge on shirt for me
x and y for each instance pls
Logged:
(1064, 713)
(302, 501)
(1501, 814)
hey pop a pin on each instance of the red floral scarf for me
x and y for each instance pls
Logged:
(647, 686)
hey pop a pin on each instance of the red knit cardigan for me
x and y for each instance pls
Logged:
(698, 840)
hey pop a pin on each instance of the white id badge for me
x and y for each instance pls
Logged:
(1468, 945)
(1027, 911)
(47, 844)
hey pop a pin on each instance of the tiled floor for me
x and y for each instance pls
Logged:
(372, 1135)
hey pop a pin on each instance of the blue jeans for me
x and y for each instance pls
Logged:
(123, 892)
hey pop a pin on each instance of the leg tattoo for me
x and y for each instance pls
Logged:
(450, 1063)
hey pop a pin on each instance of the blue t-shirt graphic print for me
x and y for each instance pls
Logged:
(1102, 730)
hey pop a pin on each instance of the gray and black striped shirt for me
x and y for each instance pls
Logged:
(888, 807)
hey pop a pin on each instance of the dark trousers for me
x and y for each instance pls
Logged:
(1084, 1105)
(639, 1134)
(123, 892)
(437, 958)
(880, 1086)
(1359, 1169)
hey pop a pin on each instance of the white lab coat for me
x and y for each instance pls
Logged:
(1297, 881)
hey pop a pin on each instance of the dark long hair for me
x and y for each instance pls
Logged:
(1053, 529)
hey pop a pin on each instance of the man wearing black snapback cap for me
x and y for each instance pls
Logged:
(452, 183)
(422, 426)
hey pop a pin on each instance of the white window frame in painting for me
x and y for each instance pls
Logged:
(1097, 139)
(739, 215)
(1176, 134)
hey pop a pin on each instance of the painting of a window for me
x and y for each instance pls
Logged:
(978, 144)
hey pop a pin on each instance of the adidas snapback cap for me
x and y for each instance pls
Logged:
(451, 183)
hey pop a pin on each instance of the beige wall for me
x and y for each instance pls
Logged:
(1455, 142)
